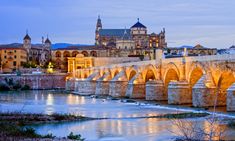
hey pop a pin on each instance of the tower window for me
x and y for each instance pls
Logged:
(15, 56)
(14, 63)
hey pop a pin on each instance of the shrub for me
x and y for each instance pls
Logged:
(75, 137)
(231, 124)
(17, 86)
(49, 136)
(4, 87)
(25, 87)
(29, 132)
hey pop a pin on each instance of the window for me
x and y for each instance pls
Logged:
(5, 57)
(14, 63)
(15, 51)
(15, 56)
(125, 47)
(5, 51)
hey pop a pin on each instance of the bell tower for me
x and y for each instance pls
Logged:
(27, 45)
(98, 27)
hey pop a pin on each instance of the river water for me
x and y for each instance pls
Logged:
(123, 125)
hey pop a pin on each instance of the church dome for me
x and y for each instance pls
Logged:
(138, 25)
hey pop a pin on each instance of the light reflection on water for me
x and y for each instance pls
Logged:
(149, 129)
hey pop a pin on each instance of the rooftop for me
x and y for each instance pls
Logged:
(114, 32)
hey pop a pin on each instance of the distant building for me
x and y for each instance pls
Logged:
(12, 57)
(60, 56)
(39, 53)
(197, 50)
(137, 33)
(230, 50)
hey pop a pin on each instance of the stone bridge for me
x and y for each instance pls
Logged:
(199, 81)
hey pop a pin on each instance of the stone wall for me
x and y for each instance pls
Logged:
(231, 98)
(102, 61)
(39, 81)
(179, 93)
(155, 90)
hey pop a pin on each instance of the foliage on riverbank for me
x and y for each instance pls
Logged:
(12, 125)
(231, 124)
(9, 85)
(12, 131)
(25, 119)
(184, 115)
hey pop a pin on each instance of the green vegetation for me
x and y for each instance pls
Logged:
(10, 85)
(75, 137)
(12, 125)
(29, 65)
(183, 115)
(231, 124)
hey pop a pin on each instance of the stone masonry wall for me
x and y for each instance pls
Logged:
(40, 81)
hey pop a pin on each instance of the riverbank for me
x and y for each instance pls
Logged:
(13, 126)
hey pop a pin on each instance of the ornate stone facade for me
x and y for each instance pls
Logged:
(137, 33)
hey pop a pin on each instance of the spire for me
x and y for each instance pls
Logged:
(27, 37)
(98, 24)
(42, 40)
(125, 35)
(47, 40)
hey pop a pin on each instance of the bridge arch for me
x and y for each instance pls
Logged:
(226, 79)
(115, 71)
(150, 73)
(131, 72)
(195, 73)
(171, 73)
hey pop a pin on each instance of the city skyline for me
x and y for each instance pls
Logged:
(209, 23)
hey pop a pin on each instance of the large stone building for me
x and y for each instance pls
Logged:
(12, 57)
(132, 42)
(38, 53)
(137, 33)
(15, 56)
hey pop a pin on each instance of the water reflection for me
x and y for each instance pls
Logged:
(138, 129)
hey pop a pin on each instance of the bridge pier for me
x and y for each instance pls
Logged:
(118, 88)
(118, 85)
(85, 87)
(102, 85)
(135, 90)
(179, 92)
(231, 98)
(155, 90)
(204, 93)
(70, 84)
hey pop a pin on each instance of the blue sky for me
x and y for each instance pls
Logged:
(187, 22)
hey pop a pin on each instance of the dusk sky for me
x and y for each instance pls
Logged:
(187, 22)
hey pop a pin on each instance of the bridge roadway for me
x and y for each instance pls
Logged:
(186, 80)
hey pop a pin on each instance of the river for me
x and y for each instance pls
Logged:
(123, 125)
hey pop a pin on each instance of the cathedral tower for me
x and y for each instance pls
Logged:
(27, 45)
(98, 27)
